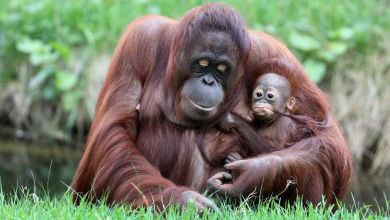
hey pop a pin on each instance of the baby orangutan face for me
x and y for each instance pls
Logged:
(271, 95)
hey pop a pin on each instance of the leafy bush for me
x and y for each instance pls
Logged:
(46, 47)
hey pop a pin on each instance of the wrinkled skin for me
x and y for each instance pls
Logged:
(210, 67)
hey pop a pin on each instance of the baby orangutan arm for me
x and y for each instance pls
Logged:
(255, 142)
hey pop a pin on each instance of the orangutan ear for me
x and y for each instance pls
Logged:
(291, 103)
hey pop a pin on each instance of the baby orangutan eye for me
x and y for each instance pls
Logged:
(204, 62)
(258, 93)
(222, 67)
(270, 96)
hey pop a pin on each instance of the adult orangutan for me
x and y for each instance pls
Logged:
(315, 160)
(185, 74)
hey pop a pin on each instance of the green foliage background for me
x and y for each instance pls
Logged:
(46, 46)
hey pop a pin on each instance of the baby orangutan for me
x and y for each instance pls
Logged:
(271, 101)
(272, 125)
(293, 145)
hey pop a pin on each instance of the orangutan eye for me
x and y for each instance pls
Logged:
(259, 94)
(204, 62)
(222, 67)
(270, 96)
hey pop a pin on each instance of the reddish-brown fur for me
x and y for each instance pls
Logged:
(153, 157)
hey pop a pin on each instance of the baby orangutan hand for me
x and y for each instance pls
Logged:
(234, 156)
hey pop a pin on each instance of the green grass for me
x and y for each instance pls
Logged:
(29, 206)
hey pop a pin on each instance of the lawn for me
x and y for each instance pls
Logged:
(25, 205)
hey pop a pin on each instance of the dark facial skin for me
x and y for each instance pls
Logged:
(210, 70)
(271, 94)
